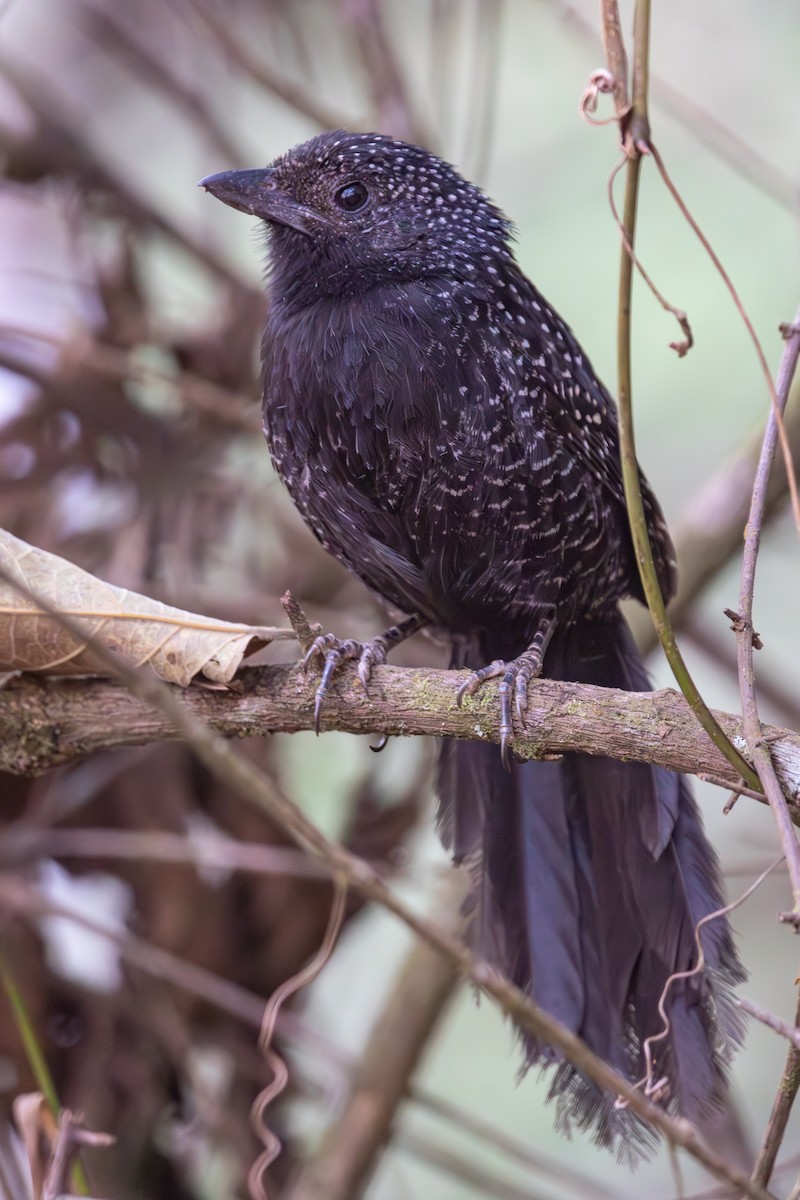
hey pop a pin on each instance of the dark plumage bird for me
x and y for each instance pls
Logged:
(443, 434)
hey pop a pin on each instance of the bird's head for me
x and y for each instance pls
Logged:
(349, 211)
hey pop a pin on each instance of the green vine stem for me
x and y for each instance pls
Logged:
(36, 1058)
(637, 138)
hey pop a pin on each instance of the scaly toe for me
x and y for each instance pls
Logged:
(319, 646)
(477, 678)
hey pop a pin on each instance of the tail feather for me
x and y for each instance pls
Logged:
(590, 876)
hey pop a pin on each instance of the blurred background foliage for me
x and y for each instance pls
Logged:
(130, 310)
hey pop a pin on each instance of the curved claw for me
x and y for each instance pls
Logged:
(506, 726)
(372, 655)
(521, 695)
(332, 659)
(319, 697)
(365, 671)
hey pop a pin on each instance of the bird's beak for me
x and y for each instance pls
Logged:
(256, 192)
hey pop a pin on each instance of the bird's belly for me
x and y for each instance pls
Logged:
(501, 554)
(467, 543)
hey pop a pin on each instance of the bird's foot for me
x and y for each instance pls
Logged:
(334, 653)
(514, 679)
(369, 654)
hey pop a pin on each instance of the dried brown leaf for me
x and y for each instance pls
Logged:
(36, 1126)
(177, 645)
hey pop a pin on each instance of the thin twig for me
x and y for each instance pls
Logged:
(753, 731)
(472, 1174)
(532, 1160)
(708, 531)
(771, 1019)
(777, 408)
(741, 790)
(227, 407)
(614, 47)
(785, 1095)
(22, 845)
(680, 348)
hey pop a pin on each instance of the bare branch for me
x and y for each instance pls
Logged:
(229, 408)
(756, 742)
(44, 724)
(786, 1093)
(708, 532)
(473, 1173)
(777, 409)
(531, 1159)
(24, 843)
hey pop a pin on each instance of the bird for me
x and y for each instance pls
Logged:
(444, 435)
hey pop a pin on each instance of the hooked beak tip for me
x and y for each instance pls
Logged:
(256, 193)
(208, 182)
(239, 189)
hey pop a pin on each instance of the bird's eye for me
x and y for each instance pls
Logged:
(351, 197)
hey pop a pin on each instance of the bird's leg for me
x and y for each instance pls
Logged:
(515, 677)
(369, 654)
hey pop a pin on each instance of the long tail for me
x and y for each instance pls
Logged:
(590, 876)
